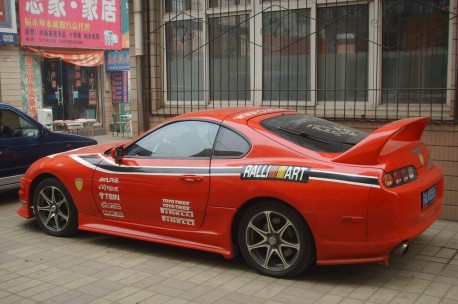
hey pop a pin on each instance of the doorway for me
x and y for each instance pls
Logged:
(69, 90)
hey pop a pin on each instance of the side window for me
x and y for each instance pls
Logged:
(13, 125)
(230, 144)
(177, 140)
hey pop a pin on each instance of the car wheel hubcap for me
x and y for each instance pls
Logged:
(272, 241)
(52, 208)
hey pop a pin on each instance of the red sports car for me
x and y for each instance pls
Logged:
(285, 189)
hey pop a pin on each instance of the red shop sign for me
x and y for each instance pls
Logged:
(87, 24)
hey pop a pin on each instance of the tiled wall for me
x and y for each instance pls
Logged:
(10, 76)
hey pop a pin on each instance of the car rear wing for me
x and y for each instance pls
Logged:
(367, 151)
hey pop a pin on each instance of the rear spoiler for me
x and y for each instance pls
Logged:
(367, 151)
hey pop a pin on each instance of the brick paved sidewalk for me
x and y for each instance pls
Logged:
(95, 268)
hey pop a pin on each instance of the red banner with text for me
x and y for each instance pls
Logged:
(85, 24)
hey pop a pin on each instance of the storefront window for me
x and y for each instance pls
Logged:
(185, 76)
(69, 90)
(286, 55)
(342, 53)
(415, 48)
(229, 53)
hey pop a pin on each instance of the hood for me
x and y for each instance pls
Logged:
(89, 149)
(67, 137)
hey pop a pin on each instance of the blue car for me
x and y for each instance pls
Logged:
(24, 140)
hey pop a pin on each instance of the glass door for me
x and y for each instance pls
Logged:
(82, 91)
(69, 90)
(53, 87)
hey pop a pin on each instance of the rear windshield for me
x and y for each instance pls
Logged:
(314, 133)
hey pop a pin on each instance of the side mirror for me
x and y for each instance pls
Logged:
(117, 154)
(43, 131)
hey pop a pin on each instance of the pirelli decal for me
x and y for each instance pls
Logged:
(276, 172)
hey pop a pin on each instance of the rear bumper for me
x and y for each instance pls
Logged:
(334, 253)
(394, 216)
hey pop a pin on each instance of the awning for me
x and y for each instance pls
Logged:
(77, 57)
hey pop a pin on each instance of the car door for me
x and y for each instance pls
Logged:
(18, 144)
(163, 179)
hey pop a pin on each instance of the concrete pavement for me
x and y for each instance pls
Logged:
(98, 269)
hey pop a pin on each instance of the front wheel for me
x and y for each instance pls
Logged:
(54, 208)
(275, 240)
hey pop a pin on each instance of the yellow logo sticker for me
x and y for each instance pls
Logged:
(79, 183)
(422, 159)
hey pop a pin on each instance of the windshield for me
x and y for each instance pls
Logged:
(314, 133)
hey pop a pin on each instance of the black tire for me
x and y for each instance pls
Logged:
(275, 240)
(54, 208)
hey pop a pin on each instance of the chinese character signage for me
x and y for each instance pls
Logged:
(119, 87)
(117, 61)
(125, 23)
(85, 24)
(31, 84)
(8, 28)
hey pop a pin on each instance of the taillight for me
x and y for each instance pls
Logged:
(400, 176)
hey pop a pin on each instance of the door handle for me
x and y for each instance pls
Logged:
(60, 99)
(192, 178)
(352, 219)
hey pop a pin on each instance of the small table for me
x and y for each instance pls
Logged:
(86, 124)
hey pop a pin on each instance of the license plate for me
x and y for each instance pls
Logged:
(428, 196)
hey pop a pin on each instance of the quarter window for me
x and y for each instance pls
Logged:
(230, 144)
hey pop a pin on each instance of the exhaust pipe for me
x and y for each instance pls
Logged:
(401, 249)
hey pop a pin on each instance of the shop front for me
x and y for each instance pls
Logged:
(63, 57)
(64, 84)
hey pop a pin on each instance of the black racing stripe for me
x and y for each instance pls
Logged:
(346, 178)
(226, 170)
(92, 159)
(103, 164)
(98, 161)
(152, 170)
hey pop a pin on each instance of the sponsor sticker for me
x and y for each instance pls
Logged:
(275, 172)
(177, 212)
(79, 184)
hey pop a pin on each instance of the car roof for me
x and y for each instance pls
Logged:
(6, 106)
(239, 114)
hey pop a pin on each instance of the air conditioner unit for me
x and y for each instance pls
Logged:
(45, 118)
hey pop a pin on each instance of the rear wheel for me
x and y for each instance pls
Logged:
(54, 208)
(275, 240)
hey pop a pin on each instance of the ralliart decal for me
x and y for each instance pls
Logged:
(275, 172)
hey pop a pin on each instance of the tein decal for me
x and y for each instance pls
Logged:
(275, 172)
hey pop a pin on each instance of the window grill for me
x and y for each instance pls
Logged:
(356, 60)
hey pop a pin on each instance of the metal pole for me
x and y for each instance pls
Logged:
(138, 36)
